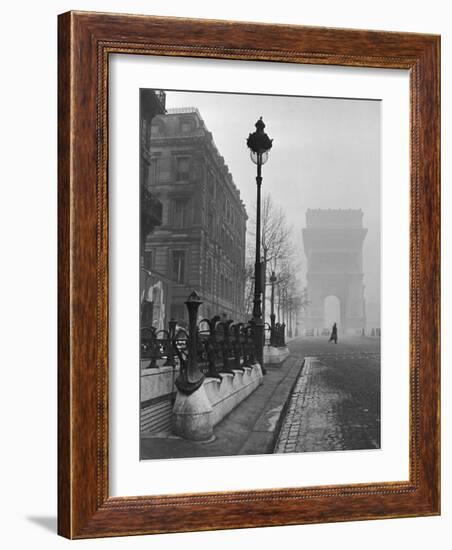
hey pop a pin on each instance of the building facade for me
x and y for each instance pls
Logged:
(200, 244)
(152, 103)
(333, 244)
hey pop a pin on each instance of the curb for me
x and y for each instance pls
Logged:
(282, 416)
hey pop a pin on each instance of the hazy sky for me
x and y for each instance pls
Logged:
(326, 154)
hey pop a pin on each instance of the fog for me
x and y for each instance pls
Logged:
(326, 154)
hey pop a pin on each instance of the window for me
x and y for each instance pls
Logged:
(147, 259)
(154, 170)
(179, 266)
(183, 168)
(180, 213)
(157, 127)
(186, 125)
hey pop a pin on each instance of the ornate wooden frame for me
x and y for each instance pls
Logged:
(85, 42)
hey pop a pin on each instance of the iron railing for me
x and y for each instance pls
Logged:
(222, 346)
(275, 334)
(207, 348)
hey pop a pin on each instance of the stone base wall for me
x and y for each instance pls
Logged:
(157, 394)
(157, 382)
(195, 415)
(225, 394)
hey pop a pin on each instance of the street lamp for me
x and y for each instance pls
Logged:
(259, 144)
(272, 312)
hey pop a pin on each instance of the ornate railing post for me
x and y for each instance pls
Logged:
(275, 337)
(272, 330)
(212, 344)
(244, 345)
(259, 335)
(237, 346)
(255, 333)
(190, 377)
(170, 362)
(272, 314)
(225, 346)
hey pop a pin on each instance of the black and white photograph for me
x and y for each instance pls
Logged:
(259, 270)
(229, 221)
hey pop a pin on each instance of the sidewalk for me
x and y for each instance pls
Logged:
(249, 429)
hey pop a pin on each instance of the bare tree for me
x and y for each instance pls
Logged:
(249, 285)
(276, 241)
(292, 295)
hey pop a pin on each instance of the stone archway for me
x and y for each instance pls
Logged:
(333, 243)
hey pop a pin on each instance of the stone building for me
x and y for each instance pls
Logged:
(200, 244)
(333, 245)
(152, 103)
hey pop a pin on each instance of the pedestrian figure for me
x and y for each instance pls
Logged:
(333, 337)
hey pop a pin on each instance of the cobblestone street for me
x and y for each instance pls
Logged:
(335, 404)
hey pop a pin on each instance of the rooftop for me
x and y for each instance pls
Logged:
(203, 127)
(183, 110)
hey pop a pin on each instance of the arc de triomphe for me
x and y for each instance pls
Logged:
(333, 244)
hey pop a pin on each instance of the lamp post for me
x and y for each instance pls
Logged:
(272, 311)
(259, 144)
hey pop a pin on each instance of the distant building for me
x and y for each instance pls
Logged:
(333, 245)
(200, 244)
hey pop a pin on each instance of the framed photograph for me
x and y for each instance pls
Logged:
(248, 275)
